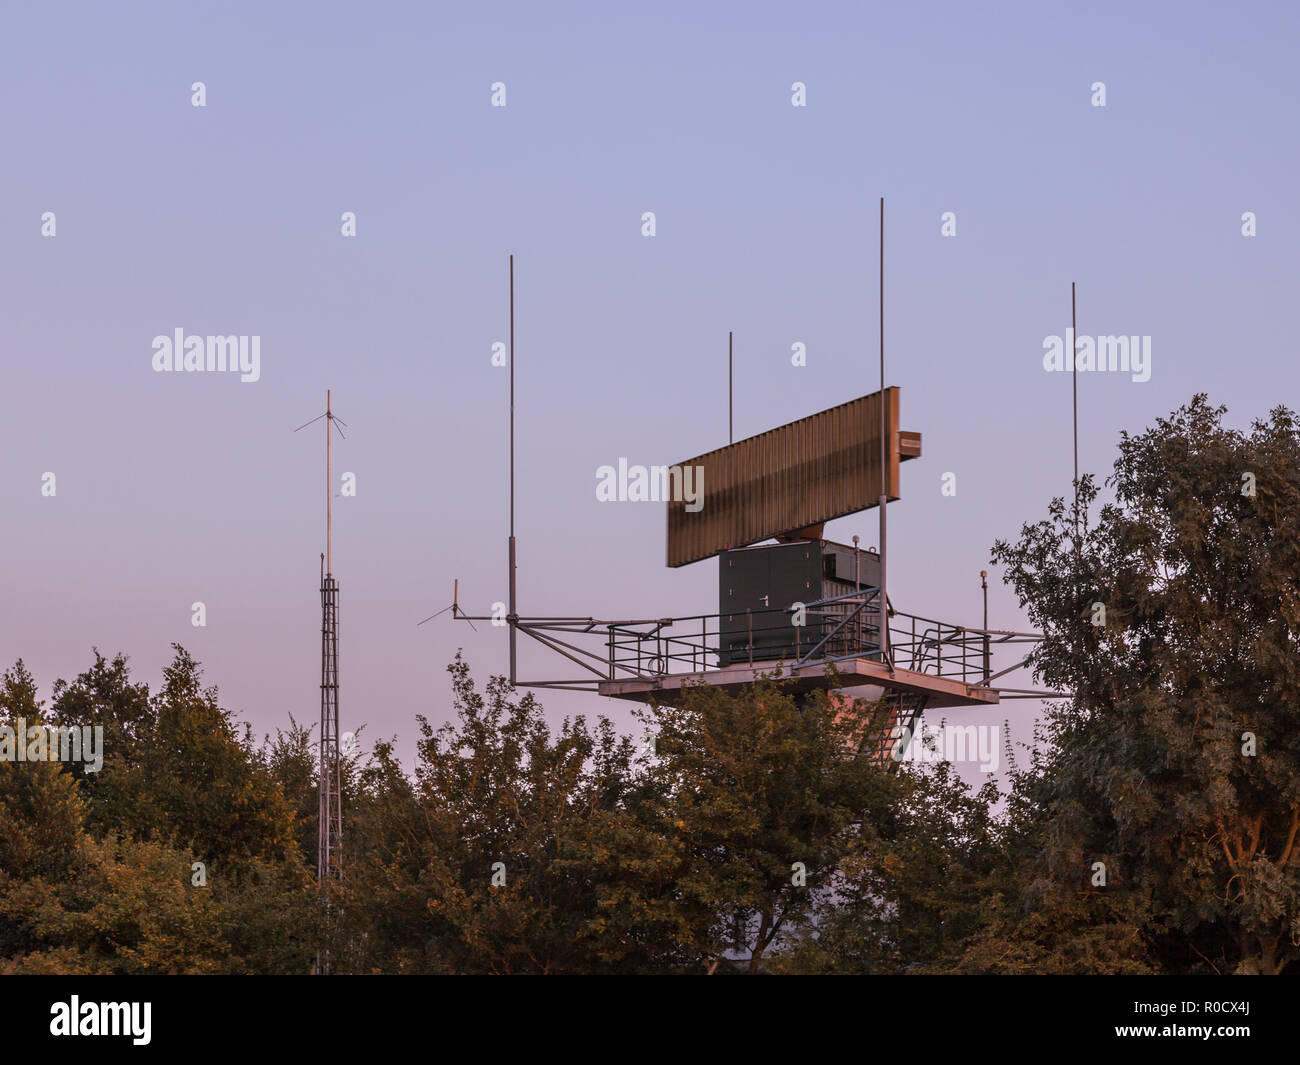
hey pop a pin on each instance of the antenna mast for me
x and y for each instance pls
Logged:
(1074, 366)
(731, 421)
(513, 616)
(884, 447)
(329, 849)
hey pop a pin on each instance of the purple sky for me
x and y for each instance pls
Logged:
(175, 488)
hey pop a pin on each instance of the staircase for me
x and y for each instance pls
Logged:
(897, 712)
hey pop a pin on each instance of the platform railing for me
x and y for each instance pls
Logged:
(834, 629)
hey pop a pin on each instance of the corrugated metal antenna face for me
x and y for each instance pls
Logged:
(792, 478)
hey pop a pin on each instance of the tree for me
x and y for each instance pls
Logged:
(73, 900)
(910, 890)
(105, 697)
(760, 796)
(1037, 915)
(41, 811)
(292, 761)
(506, 854)
(1176, 762)
(175, 764)
(128, 906)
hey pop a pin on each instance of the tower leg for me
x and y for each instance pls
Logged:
(330, 832)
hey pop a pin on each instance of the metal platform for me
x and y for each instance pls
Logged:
(930, 663)
(851, 674)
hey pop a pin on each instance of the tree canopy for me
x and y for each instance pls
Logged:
(1154, 827)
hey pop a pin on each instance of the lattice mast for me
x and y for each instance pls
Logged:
(329, 850)
(329, 853)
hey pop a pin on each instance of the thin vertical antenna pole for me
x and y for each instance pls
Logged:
(329, 488)
(1074, 341)
(884, 491)
(857, 589)
(513, 611)
(984, 584)
(731, 423)
(512, 397)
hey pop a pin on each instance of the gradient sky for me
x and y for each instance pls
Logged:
(175, 488)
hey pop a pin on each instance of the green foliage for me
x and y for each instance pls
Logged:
(498, 792)
(41, 811)
(175, 764)
(1143, 768)
(92, 878)
(1155, 829)
(130, 907)
(745, 787)
(291, 761)
(910, 890)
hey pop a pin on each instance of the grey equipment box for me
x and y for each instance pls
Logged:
(757, 586)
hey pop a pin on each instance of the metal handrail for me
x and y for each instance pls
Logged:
(834, 631)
